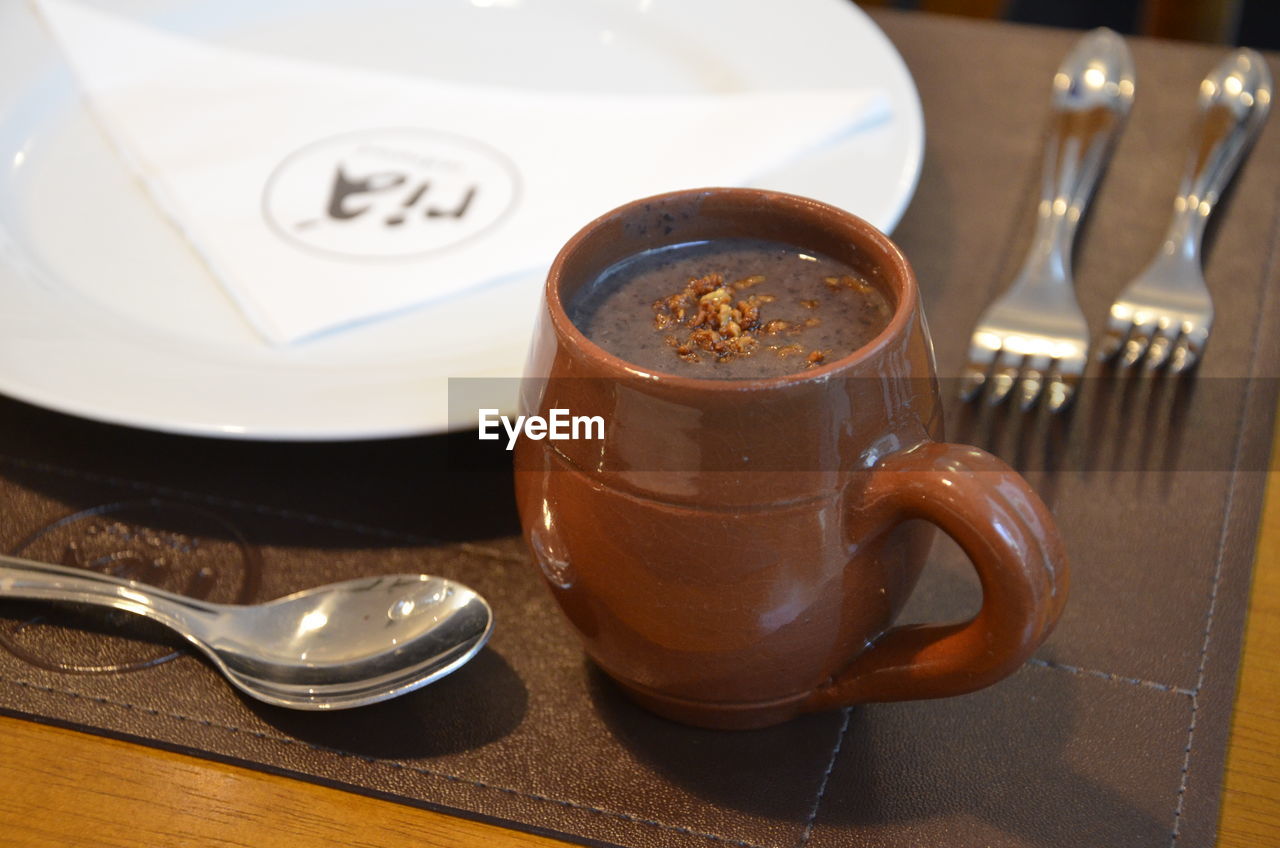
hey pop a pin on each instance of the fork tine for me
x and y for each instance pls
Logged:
(1029, 389)
(983, 348)
(1033, 374)
(1002, 382)
(1119, 328)
(1065, 381)
(1005, 375)
(1186, 353)
(1162, 344)
(1060, 392)
(1181, 358)
(972, 381)
(1136, 346)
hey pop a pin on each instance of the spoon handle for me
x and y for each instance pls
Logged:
(1092, 94)
(1234, 100)
(24, 578)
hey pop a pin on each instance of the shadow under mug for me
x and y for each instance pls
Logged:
(734, 552)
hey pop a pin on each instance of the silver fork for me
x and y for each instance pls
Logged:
(1035, 334)
(1165, 314)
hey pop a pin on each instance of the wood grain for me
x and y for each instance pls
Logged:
(60, 787)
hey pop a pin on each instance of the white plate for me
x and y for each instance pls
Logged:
(105, 313)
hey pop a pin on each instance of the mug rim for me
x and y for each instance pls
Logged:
(902, 280)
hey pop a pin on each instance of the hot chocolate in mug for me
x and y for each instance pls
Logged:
(733, 552)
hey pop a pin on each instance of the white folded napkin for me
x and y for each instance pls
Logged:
(321, 196)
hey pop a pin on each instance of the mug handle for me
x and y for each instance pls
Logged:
(1008, 534)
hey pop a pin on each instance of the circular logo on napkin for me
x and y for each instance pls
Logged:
(383, 194)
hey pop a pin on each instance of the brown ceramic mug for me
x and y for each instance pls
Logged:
(734, 552)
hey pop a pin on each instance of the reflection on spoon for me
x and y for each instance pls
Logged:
(332, 647)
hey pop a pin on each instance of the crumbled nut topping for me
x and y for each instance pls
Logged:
(724, 326)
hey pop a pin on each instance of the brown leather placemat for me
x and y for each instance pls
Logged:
(1114, 735)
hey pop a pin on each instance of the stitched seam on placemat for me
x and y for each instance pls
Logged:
(826, 779)
(1204, 655)
(1268, 269)
(1107, 675)
(276, 512)
(451, 778)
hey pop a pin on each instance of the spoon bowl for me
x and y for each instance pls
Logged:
(330, 647)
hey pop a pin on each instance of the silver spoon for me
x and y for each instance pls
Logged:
(328, 648)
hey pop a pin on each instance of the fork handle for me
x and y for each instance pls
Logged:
(1234, 100)
(1092, 95)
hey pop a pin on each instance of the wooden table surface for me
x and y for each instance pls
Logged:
(61, 787)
